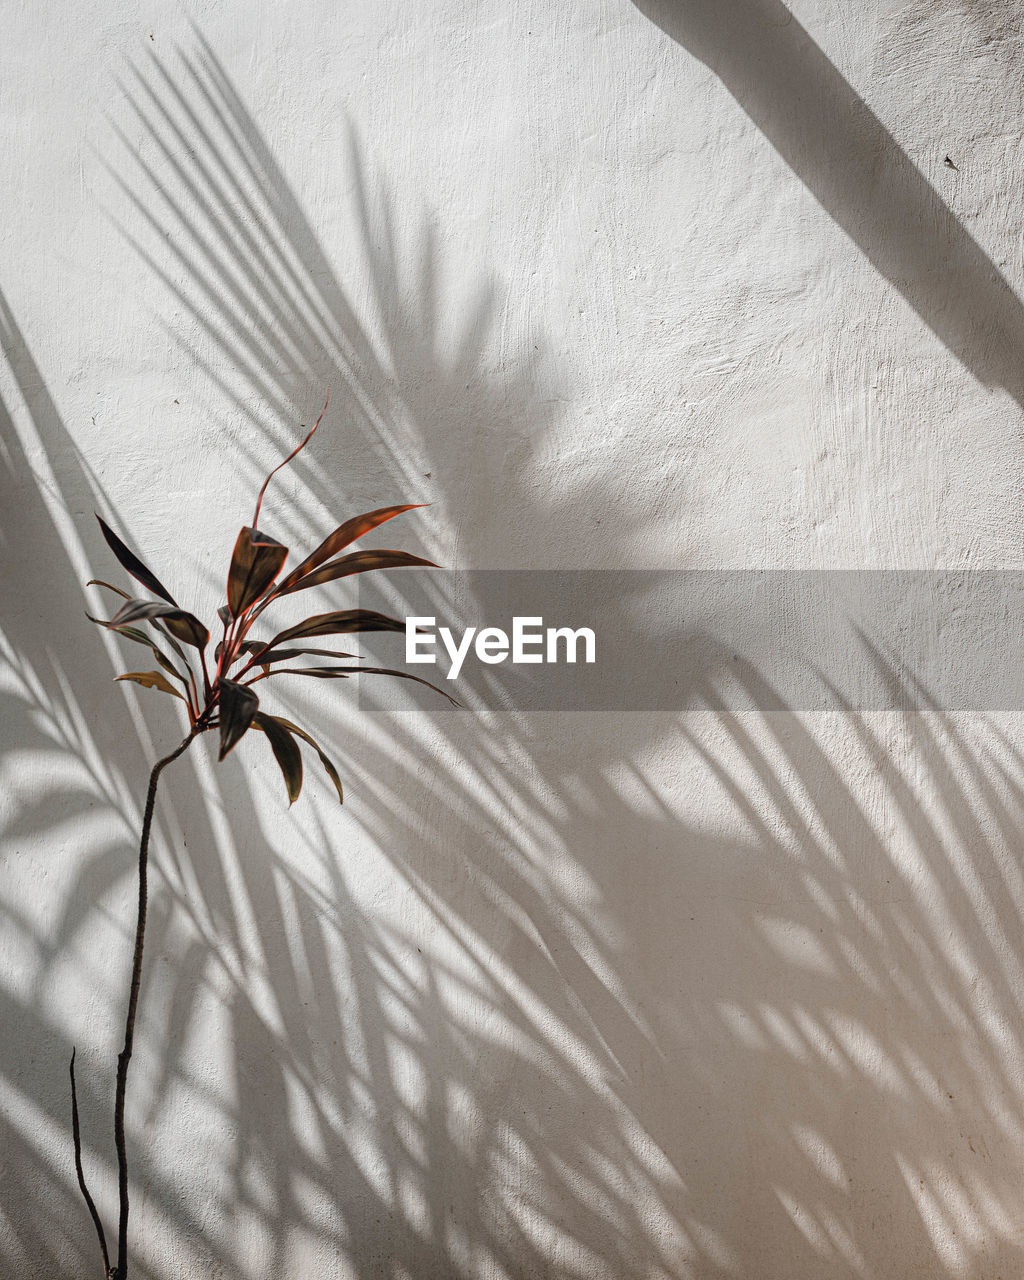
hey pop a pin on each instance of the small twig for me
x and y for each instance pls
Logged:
(81, 1172)
(259, 500)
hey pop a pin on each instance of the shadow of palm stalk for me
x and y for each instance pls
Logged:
(222, 698)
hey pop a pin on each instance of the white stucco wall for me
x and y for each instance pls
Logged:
(718, 994)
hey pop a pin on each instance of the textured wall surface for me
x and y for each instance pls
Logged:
(689, 283)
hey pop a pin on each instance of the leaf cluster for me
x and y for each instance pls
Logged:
(217, 689)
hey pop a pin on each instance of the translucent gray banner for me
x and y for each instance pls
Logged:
(667, 640)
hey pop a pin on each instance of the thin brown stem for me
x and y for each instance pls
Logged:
(90, 1203)
(120, 1272)
(221, 660)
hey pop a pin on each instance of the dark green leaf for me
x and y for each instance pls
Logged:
(224, 613)
(325, 760)
(152, 680)
(134, 565)
(285, 751)
(356, 562)
(340, 622)
(341, 537)
(255, 563)
(185, 626)
(238, 706)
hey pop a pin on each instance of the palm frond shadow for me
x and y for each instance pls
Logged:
(80, 810)
(581, 1027)
(879, 994)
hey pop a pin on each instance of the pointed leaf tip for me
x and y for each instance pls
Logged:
(152, 680)
(98, 582)
(338, 622)
(298, 449)
(357, 562)
(342, 673)
(345, 534)
(182, 625)
(255, 563)
(285, 750)
(325, 760)
(131, 562)
(140, 637)
(238, 707)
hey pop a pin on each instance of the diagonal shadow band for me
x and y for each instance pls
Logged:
(859, 174)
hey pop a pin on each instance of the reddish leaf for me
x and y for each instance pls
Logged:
(356, 562)
(340, 622)
(140, 637)
(173, 643)
(286, 655)
(255, 563)
(325, 760)
(98, 582)
(238, 706)
(285, 751)
(298, 449)
(134, 565)
(185, 626)
(140, 611)
(405, 675)
(247, 646)
(134, 634)
(325, 673)
(342, 673)
(152, 680)
(340, 538)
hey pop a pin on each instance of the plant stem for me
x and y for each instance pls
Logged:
(120, 1272)
(90, 1203)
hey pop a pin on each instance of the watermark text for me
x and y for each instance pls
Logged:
(530, 641)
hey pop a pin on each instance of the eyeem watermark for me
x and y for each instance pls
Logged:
(730, 639)
(530, 641)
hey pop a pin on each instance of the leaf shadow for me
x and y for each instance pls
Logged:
(598, 1031)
